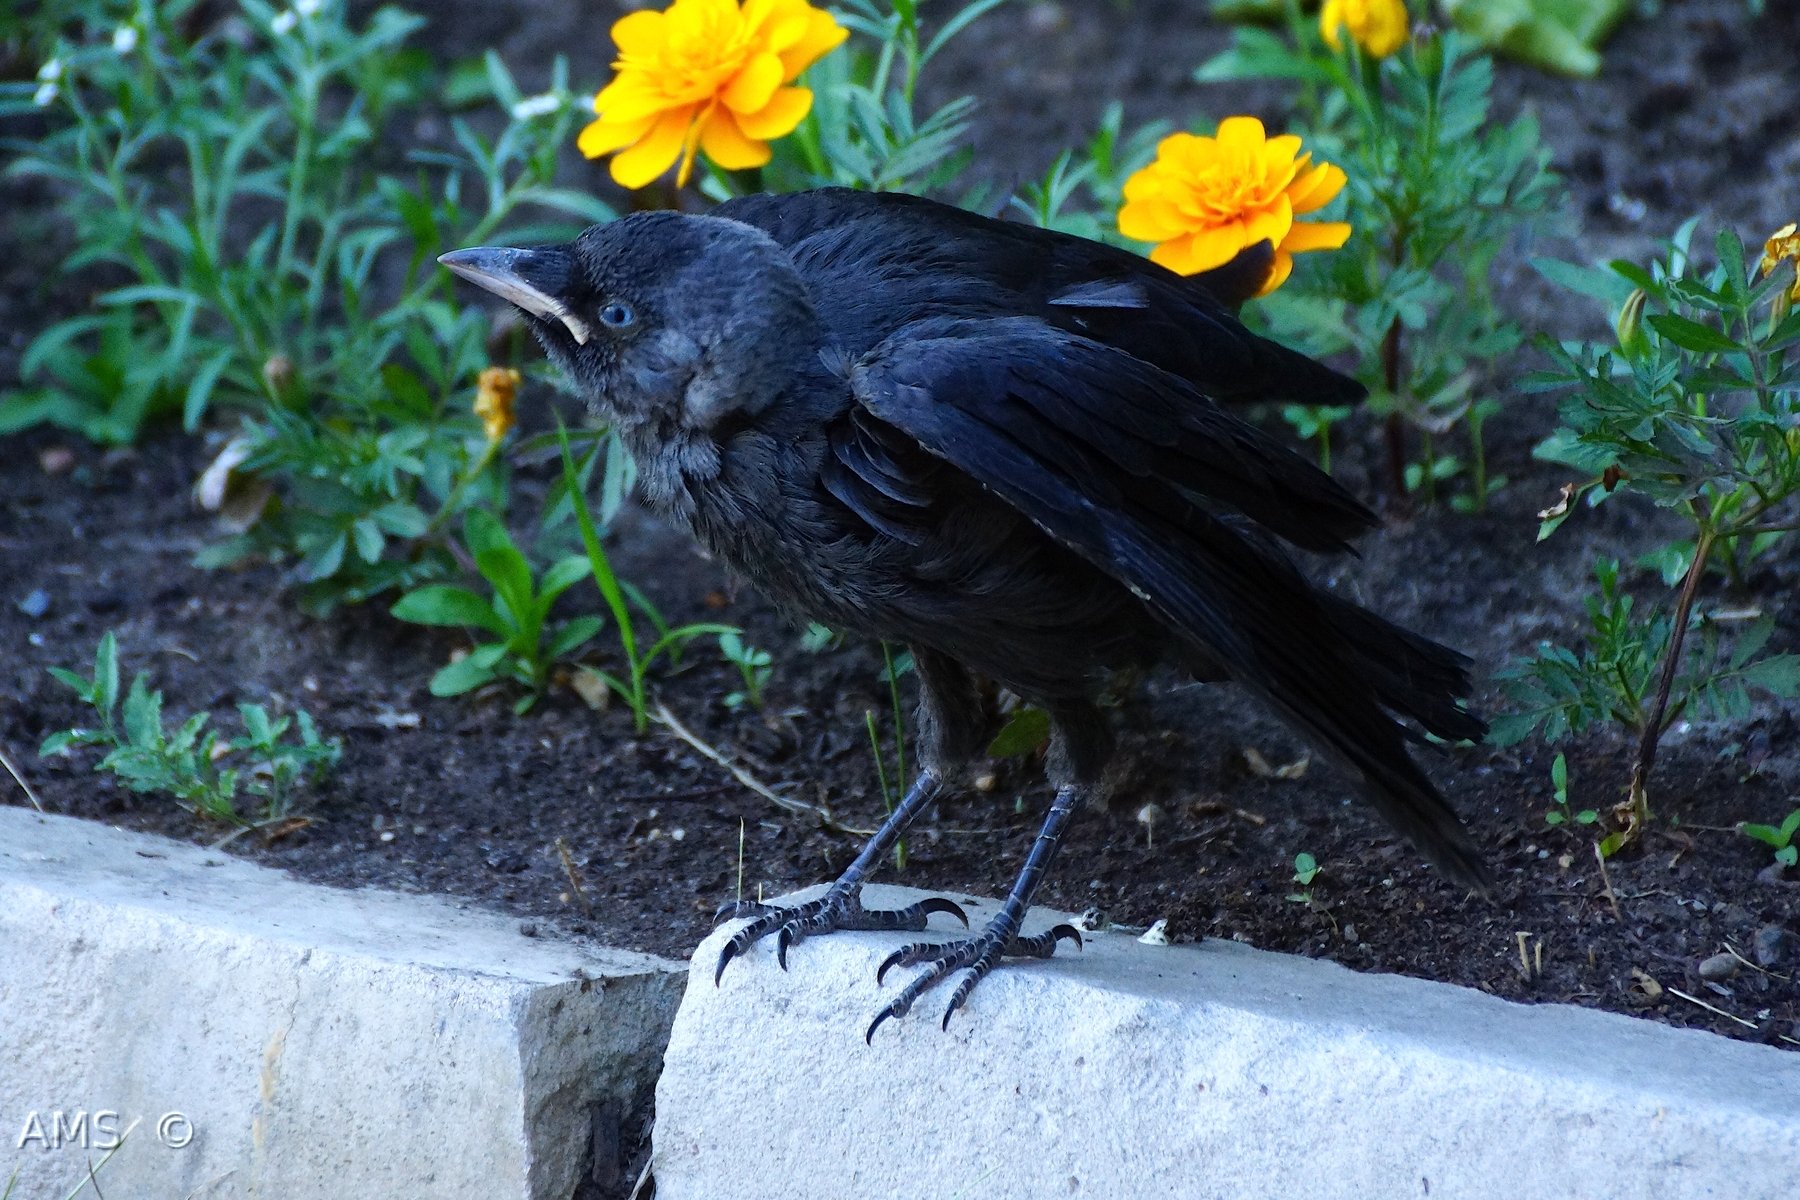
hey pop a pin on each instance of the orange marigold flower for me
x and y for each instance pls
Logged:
(495, 391)
(1784, 246)
(706, 76)
(1378, 26)
(1204, 199)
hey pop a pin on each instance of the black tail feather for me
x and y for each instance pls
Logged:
(1414, 676)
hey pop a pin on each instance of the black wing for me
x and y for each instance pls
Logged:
(877, 261)
(1151, 483)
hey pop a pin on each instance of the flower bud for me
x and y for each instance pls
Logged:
(1630, 323)
(495, 391)
(1378, 26)
(278, 374)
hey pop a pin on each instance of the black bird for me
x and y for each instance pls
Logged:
(1004, 447)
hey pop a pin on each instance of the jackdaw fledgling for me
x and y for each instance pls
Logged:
(1006, 448)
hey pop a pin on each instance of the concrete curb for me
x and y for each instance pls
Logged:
(280, 1039)
(1131, 1070)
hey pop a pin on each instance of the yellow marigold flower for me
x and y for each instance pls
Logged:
(706, 76)
(1378, 26)
(1784, 246)
(495, 391)
(1204, 199)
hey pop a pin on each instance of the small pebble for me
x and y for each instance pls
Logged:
(1719, 966)
(1156, 935)
(528, 928)
(36, 604)
(1094, 920)
(1349, 932)
(1770, 945)
(387, 835)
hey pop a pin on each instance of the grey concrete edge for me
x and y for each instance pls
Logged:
(311, 1041)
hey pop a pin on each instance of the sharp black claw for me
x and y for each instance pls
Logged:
(1070, 933)
(939, 904)
(783, 940)
(888, 964)
(725, 956)
(869, 1037)
(734, 909)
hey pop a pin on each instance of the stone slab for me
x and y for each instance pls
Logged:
(264, 1037)
(1211, 1071)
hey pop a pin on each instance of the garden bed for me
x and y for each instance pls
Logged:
(582, 829)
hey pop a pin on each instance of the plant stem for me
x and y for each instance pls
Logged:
(1396, 426)
(1653, 725)
(454, 500)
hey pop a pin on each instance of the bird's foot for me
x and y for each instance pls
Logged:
(839, 908)
(977, 956)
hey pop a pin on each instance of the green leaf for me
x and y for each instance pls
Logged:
(1779, 675)
(75, 683)
(488, 654)
(1601, 285)
(1260, 54)
(1767, 834)
(1024, 732)
(106, 674)
(507, 570)
(143, 713)
(369, 541)
(56, 743)
(464, 675)
(1507, 729)
(400, 519)
(445, 604)
(563, 575)
(1306, 868)
(150, 293)
(200, 389)
(575, 633)
(256, 723)
(482, 531)
(1691, 335)
(324, 562)
(404, 386)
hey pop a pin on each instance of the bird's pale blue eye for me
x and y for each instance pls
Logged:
(617, 315)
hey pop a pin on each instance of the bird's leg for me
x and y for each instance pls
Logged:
(841, 905)
(950, 723)
(1079, 750)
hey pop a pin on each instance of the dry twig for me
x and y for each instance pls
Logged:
(1711, 1008)
(816, 811)
(1612, 897)
(20, 780)
(569, 869)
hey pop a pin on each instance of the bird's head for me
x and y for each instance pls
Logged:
(663, 320)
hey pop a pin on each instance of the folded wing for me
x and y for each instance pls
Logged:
(1145, 478)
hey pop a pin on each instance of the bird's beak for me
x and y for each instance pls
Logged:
(531, 279)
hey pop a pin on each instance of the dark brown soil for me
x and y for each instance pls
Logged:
(462, 797)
